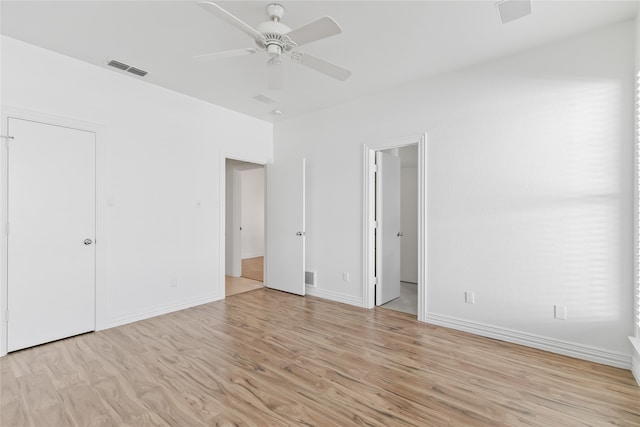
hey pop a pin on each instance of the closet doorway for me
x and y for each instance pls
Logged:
(397, 210)
(244, 226)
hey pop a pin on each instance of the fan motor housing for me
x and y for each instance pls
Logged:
(276, 40)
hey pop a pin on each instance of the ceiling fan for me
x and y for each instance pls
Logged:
(276, 39)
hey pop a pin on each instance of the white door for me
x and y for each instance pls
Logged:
(51, 216)
(388, 232)
(285, 229)
(409, 225)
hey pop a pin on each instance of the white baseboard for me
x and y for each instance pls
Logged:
(635, 368)
(334, 296)
(162, 309)
(252, 255)
(579, 351)
(635, 359)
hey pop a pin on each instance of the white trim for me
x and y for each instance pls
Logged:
(100, 236)
(222, 213)
(368, 206)
(635, 359)
(334, 296)
(422, 229)
(579, 351)
(163, 309)
(252, 255)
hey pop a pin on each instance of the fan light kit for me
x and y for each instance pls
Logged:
(277, 39)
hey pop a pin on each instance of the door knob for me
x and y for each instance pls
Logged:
(299, 233)
(88, 242)
(400, 234)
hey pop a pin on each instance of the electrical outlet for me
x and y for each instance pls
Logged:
(345, 276)
(560, 312)
(469, 297)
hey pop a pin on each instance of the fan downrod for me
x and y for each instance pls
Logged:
(275, 11)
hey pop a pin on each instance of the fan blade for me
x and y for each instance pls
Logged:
(224, 54)
(316, 30)
(231, 19)
(274, 67)
(321, 65)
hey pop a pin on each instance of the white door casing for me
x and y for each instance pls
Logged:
(285, 226)
(51, 214)
(388, 233)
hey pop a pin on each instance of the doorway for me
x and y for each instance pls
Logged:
(244, 226)
(413, 237)
(403, 204)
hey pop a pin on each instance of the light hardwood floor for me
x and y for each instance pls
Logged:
(253, 268)
(266, 358)
(238, 285)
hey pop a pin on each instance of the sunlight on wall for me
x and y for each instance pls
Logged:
(550, 179)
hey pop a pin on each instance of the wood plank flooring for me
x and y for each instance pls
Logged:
(238, 285)
(266, 358)
(253, 268)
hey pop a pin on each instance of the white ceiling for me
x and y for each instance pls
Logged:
(384, 43)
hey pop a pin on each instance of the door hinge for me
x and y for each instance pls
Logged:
(375, 280)
(375, 168)
(375, 224)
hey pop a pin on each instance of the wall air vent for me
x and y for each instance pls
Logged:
(310, 278)
(125, 67)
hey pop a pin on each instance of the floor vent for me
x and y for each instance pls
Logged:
(310, 278)
(125, 67)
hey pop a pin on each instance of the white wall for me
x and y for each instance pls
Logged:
(529, 191)
(636, 348)
(252, 213)
(160, 152)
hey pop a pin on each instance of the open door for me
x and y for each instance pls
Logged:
(388, 232)
(285, 228)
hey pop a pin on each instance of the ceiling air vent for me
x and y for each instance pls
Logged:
(137, 71)
(125, 67)
(265, 99)
(510, 10)
(118, 65)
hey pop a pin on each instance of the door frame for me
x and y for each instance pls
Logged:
(224, 155)
(369, 208)
(100, 235)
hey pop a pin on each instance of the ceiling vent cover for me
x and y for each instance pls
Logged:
(266, 99)
(125, 67)
(137, 71)
(117, 64)
(510, 10)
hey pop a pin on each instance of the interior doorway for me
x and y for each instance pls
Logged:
(384, 240)
(402, 184)
(244, 226)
